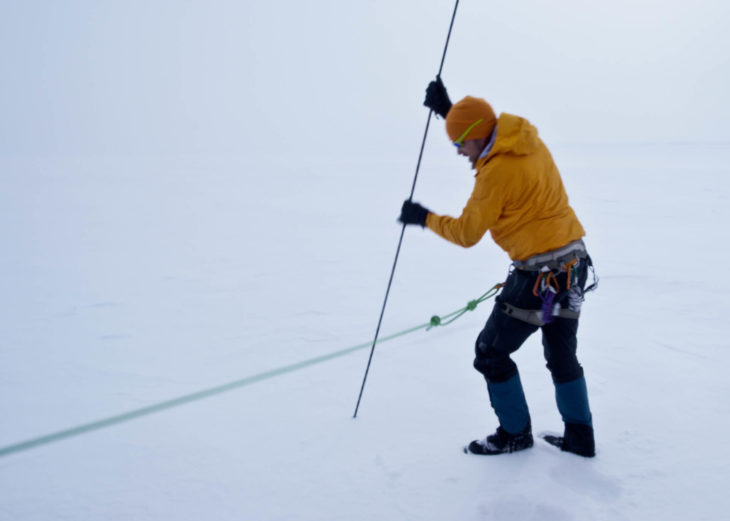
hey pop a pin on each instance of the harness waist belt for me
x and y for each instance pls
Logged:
(554, 259)
(534, 316)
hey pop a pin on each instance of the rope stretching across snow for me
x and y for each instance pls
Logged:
(213, 391)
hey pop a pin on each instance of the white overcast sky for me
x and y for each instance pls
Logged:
(271, 78)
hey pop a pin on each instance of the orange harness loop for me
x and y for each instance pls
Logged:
(568, 268)
(551, 279)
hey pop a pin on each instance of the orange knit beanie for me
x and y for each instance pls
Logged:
(465, 113)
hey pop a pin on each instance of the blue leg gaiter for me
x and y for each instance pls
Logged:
(508, 402)
(572, 399)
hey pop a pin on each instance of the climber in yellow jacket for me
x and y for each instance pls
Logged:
(520, 199)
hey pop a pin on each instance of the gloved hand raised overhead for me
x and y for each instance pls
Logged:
(437, 99)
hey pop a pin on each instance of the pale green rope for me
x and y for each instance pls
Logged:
(207, 393)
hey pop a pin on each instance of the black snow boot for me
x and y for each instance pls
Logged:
(578, 439)
(501, 442)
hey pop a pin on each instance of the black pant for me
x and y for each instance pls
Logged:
(504, 334)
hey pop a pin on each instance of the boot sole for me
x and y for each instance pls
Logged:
(494, 453)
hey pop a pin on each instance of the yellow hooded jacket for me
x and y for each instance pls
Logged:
(518, 196)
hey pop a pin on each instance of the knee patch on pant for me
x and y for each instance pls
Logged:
(501, 336)
(495, 368)
(494, 364)
(565, 372)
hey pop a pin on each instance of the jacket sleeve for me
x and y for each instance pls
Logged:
(480, 213)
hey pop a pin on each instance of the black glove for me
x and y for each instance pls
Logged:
(413, 213)
(437, 99)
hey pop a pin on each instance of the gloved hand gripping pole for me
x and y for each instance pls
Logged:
(403, 229)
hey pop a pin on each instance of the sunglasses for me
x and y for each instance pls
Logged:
(462, 137)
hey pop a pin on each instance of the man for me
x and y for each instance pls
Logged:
(519, 197)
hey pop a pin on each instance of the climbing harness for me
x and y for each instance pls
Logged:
(549, 266)
(536, 316)
(554, 259)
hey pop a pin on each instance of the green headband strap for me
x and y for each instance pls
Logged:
(462, 137)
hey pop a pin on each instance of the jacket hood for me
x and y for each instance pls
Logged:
(515, 135)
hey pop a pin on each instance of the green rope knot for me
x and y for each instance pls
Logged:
(470, 306)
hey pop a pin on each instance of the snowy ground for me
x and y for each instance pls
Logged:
(130, 282)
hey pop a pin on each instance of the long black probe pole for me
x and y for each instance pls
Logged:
(402, 232)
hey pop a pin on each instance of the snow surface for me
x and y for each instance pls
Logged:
(192, 193)
(133, 283)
